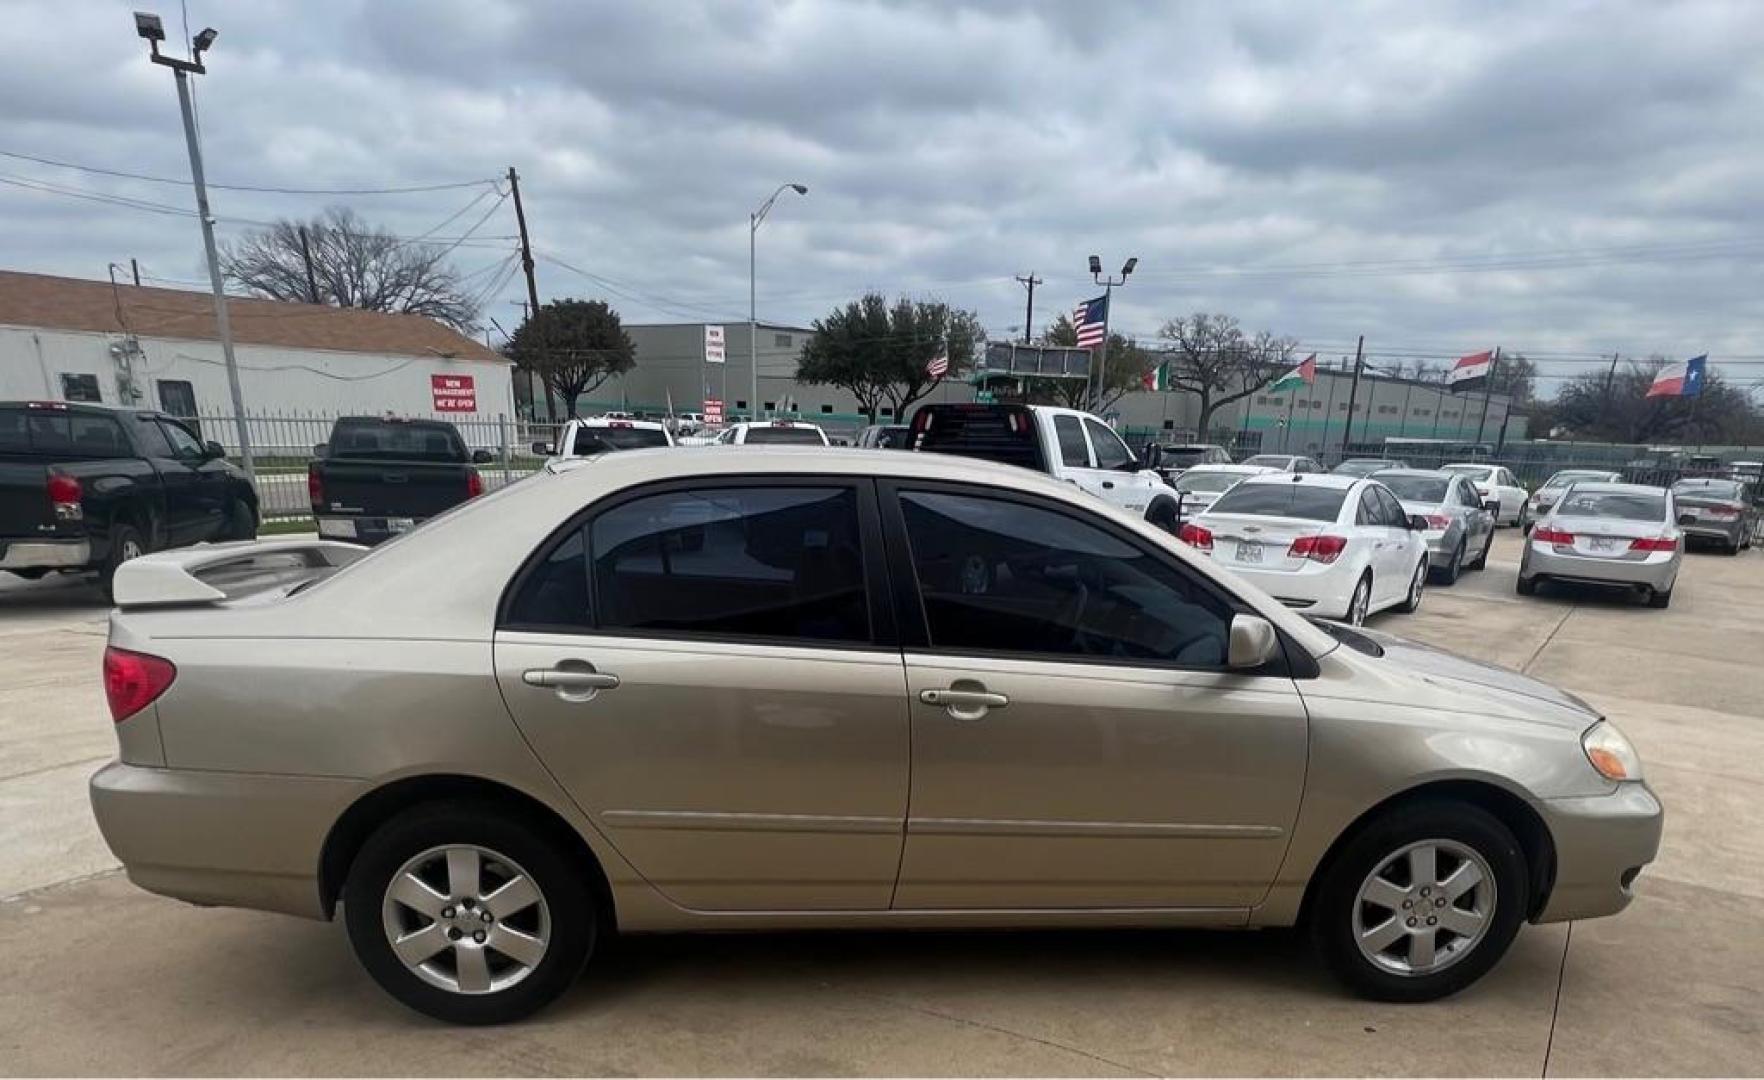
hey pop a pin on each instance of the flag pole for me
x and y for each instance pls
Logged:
(1487, 391)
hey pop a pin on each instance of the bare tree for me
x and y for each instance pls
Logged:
(354, 265)
(1211, 357)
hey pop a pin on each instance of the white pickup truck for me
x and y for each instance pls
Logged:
(602, 434)
(1064, 443)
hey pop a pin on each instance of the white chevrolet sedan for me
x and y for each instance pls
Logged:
(1339, 547)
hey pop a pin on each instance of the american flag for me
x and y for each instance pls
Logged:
(1091, 319)
(939, 365)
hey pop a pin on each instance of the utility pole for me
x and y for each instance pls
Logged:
(532, 309)
(1494, 365)
(306, 257)
(1029, 311)
(135, 269)
(150, 28)
(1610, 378)
(1347, 428)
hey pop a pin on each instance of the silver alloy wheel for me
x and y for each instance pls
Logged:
(466, 919)
(1362, 600)
(1424, 907)
(131, 549)
(1417, 585)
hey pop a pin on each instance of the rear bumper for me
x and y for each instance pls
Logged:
(1602, 843)
(231, 839)
(1315, 591)
(1731, 532)
(45, 554)
(1654, 574)
(363, 530)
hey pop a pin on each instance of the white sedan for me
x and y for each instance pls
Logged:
(1496, 483)
(1341, 547)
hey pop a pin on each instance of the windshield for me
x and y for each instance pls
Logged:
(794, 435)
(1269, 461)
(1184, 455)
(1362, 467)
(1306, 501)
(599, 440)
(1618, 505)
(1426, 489)
(396, 440)
(1474, 472)
(1714, 489)
(1206, 481)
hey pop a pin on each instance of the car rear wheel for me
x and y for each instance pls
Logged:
(1659, 598)
(1481, 562)
(1525, 586)
(1450, 573)
(125, 544)
(1421, 903)
(1361, 602)
(1417, 582)
(466, 913)
(241, 522)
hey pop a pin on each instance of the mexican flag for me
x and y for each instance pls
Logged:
(1303, 375)
(1157, 378)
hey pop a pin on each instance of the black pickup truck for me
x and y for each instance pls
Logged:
(84, 487)
(380, 476)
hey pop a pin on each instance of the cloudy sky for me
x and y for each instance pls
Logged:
(1563, 179)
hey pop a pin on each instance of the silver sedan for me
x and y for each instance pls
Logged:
(1621, 535)
(1543, 500)
(1460, 524)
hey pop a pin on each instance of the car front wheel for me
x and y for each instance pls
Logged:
(467, 913)
(1421, 903)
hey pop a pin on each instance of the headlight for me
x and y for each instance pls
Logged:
(1610, 752)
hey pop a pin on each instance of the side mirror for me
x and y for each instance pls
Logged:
(543, 449)
(213, 449)
(1687, 519)
(319, 450)
(481, 457)
(1154, 456)
(1417, 523)
(1253, 642)
(1493, 506)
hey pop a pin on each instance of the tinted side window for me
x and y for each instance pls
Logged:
(183, 443)
(1368, 514)
(733, 562)
(153, 440)
(1111, 452)
(555, 592)
(1073, 452)
(999, 576)
(1394, 514)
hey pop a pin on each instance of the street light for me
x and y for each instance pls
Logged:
(753, 223)
(1109, 285)
(149, 27)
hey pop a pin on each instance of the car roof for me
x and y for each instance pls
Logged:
(1605, 487)
(1472, 465)
(1432, 474)
(1193, 446)
(1328, 480)
(603, 422)
(1229, 467)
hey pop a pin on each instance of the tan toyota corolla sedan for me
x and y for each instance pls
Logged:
(665, 691)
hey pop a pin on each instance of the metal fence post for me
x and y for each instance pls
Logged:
(507, 450)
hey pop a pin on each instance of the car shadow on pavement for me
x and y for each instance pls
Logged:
(56, 594)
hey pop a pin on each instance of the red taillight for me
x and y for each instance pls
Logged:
(133, 681)
(474, 484)
(1324, 549)
(315, 486)
(1544, 535)
(1195, 536)
(1653, 543)
(1438, 521)
(1725, 510)
(64, 497)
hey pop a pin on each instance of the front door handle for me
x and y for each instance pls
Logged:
(573, 681)
(1108, 485)
(963, 703)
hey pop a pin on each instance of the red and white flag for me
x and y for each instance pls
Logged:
(939, 365)
(1469, 369)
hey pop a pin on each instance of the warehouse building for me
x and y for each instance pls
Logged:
(68, 339)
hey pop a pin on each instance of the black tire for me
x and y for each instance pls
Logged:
(1162, 514)
(33, 574)
(1481, 562)
(241, 522)
(1336, 900)
(1417, 585)
(1525, 586)
(563, 886)
(1454, 569)
(1659, 599)
(125, 544)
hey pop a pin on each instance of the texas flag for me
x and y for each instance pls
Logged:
(1469, 370)
(1683, 379)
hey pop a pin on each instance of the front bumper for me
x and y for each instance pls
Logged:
(231, 839)
(45, 554)
(1602, 842)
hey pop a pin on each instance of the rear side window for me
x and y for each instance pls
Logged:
(769, 562)
(57, 433)
(1282, 499)
(1073, 453)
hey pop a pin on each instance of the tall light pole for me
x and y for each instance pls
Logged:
(1109, 285)
(753, 223)
(149, 27)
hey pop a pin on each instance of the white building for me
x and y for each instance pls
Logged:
(67, 339)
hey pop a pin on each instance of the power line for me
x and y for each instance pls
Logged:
(261, 189)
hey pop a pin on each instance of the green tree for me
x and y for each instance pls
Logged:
(573, 346)
(1128, 366)
(881, 352)
(1212, 358)
(1600, 405)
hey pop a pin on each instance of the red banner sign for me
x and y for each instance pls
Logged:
(713, 411)
(453, 393)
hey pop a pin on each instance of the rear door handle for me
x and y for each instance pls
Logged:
(964, 704)
(576, 682)
(1108, 485)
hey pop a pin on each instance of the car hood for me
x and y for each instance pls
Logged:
(1519, 694)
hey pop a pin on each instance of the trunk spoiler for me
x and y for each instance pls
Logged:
(204, 574)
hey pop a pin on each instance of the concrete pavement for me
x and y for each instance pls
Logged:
(103, 978)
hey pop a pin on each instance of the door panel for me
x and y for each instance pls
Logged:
(1099, 786)
(732, 777)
